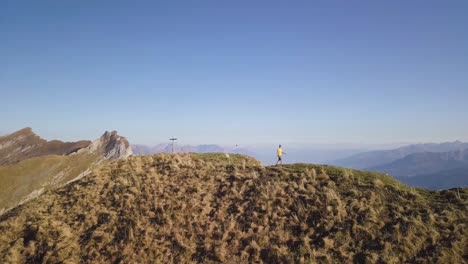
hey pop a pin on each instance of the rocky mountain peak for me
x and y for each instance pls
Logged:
(24, 131)
(111, 145)
(21, 135)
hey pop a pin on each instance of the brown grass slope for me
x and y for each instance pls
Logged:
(24, 144)
(212, 208)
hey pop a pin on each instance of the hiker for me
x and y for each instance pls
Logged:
(280, 153)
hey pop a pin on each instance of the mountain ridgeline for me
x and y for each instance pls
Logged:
(427, 162)
(24, 144)
(377, 158)
(210, 208)
(31, 165)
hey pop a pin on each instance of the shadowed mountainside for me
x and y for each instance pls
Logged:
(439, 180)
(24, 144)
(229, 208)
(425, 163)
(430, 169)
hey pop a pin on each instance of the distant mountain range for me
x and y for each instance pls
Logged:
(371, 159)
(139, 149)
(434, 166)
(425, 163)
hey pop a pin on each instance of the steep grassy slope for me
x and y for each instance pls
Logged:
(211, 208)
(30, 165)
(26, 178)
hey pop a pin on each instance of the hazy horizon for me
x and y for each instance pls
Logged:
(326, 145)
(239, 72)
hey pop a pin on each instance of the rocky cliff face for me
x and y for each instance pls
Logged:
(110, 145)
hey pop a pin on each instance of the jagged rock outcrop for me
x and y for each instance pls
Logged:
(24, 144)
(110, 145)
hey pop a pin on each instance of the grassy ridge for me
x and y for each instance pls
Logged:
(216, 208)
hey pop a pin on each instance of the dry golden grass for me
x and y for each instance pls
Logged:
(214, 208)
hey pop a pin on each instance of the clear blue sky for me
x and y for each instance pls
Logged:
(236, 71)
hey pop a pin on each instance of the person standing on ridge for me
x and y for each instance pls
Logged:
(279, 152)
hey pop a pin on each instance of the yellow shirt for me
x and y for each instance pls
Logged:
(280, 152)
